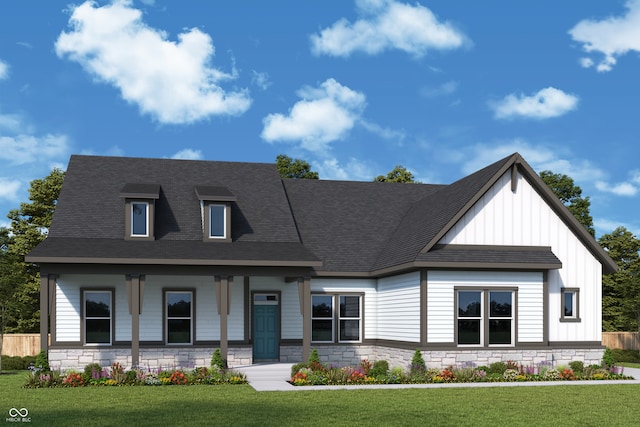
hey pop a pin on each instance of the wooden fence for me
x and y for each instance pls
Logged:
(21, 344)
(29, 344)
(625, 340)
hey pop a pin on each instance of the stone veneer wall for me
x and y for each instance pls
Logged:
(341, 355)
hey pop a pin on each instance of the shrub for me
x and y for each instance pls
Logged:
(217, 362)
(625, 356)
(92, 371)
(607, 358)
(497, 368)
(17, 363)
(417, 363)
(42, 361)
(379, 369)
(313, 357)
(576, 366)
(295, 368)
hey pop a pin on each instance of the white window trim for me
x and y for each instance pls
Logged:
(510, 318)
(336, 318)
(479, 318)
(84, 304)
(331, 318)
(359, 318)
(224, 221)
(133, 203)
(166, 317)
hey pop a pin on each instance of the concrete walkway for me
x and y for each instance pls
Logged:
(274, 377)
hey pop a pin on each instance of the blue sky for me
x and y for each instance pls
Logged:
(354, 87)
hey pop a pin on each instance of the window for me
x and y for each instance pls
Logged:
(570, 305)
(97, 317)
(139, 219)
(485, 317)
(343, 323)
(217, 221)
(179, 317)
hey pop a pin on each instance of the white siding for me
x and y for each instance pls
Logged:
(207, 319)
(366, 286)
(441, 301)
(290, 316)
(68, 304)
(522, 218)
(236, 315)
(399, 308)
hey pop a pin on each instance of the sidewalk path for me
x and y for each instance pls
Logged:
(274, 376)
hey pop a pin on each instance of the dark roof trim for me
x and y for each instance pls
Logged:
(140, 191)
(516, 161)
(166, 261)
(214, 193)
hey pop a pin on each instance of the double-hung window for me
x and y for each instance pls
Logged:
(570, 298)
(336, 318)
(98, 315)
(218, 221)
(485, 317)
(179, 317)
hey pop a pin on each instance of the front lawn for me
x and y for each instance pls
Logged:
(606, 404)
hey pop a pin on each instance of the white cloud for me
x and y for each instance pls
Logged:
(385, 133)
(325, 114)
(546, 103)
(9, 188)
(613, 36)
(540, 157)
(23, 149)
(385, 25)
(188, 154)
(354, 170)
(444, 89)
(4, 70)
(261, 80)
(171, 81)
(627, 188)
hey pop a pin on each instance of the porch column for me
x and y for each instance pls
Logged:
(135, 292)
(304, 292)
(44, 313)
(223, 296)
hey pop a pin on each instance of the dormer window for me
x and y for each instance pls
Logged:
(217, 221)
(139, 219)
(215, 209)
(139, 210)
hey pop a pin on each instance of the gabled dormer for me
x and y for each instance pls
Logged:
(139, 210)
(215, 211)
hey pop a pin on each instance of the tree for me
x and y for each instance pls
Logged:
(294, 168)
(571, 196)
(621, 290)
(29, 226)
(398, 174)
(11, 278)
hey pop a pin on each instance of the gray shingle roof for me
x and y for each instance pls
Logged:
(337, 227)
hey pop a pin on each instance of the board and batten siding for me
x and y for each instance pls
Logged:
(369, 300)
(290, 315)
(523, 218)
(398, 312)
(441, 307)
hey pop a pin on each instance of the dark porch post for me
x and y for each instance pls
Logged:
(304, 292)
(44, 313)
(223, 296)
(135, 289)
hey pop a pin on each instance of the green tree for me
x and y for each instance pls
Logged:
(571, 196)
(29, 226)
(621, 290)
(294, 168)
(11, 277)
(398, 174)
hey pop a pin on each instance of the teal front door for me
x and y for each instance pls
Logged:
(266, 332)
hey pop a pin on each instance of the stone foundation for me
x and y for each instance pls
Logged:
(340, 355)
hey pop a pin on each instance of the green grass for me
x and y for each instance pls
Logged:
(240, 405)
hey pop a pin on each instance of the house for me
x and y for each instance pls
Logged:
(158, 262)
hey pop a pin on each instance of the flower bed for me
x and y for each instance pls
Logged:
(315, 373)
(116, 375)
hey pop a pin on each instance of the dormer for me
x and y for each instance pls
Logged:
(215, 211)
(139, 210)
